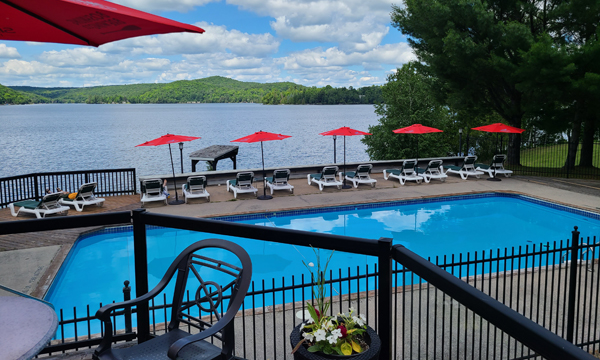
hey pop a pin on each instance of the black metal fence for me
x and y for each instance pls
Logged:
(547, 155)
(420, 309)
(111, 182)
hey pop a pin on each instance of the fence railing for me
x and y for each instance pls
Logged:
(549, 157)
(401, 304)
(111, 182)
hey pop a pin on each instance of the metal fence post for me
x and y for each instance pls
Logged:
(35, 188)
(126, 297)
(572, 285)
(384, 301)
(141, 272)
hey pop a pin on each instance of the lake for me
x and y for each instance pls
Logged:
(67, 137)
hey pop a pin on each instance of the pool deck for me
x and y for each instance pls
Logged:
(29, 262)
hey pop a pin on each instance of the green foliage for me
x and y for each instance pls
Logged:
(408, 99)
(11, 96)
(214, 89)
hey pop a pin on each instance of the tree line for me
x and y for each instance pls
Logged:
(214, 89)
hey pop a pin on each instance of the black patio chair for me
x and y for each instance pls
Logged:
(192, 269)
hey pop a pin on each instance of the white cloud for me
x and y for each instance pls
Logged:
(8, 52)
(25, 68)
(215, 39)
(80, 56)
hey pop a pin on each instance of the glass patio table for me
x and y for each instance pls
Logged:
(26, 326)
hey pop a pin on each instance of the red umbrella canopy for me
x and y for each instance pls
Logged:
(168, 139)
(417, 129)
(499, 128)
(261, 136)
(344, 131)
(80, 22)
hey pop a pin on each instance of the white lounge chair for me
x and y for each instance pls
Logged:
(195, 187)
(434, 170)
(362, 175)
(497, 164)
(406, 173)
(468, 168)
(152, 190)
(242, 184)
(85, 196)
(280, 181)
(327, 177)
(48, 205)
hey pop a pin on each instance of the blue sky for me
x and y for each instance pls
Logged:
(313, 43)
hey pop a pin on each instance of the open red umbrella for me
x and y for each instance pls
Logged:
(344, 131)
(80, 22)
(498, 128)
(170, 139)
(262, 136)
(417, 129)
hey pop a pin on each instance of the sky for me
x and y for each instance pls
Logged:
(308, 42)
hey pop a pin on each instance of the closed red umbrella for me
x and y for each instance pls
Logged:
(262, 136)
(498, 128)
(344, 131)
(170, 139)
(80, 22)
(417, 129)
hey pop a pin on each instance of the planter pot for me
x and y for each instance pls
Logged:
(303, 354)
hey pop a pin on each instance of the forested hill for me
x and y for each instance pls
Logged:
(214, 89)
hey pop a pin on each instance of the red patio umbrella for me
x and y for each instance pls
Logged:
(417, 129)
(80, 22)
(344, 131)
(498, 128)
(262, 136)
(170, 139)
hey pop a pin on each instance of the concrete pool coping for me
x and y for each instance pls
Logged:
(36, 281)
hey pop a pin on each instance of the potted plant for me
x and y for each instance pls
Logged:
(324, 336)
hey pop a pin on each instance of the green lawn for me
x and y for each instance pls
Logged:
(553, 156)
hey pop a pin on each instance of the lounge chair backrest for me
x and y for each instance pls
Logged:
(86, 190)
(434, 167)
(364, 169)
(245, 179)
(408, 167)
(498, 161)
(469, 162)
(281, 176)
(152, 187)
(196, 183)
(50, 201)
(329, 173)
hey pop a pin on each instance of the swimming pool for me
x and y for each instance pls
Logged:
(429, 227)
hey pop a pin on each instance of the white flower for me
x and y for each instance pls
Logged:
(308, 336)
(351, 309)
(310, 320)
(320, 335)
(329, 324)
(360, 321)
(332, 339)
(337, 333)
(311, 264)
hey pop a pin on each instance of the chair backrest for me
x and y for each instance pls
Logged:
(152, 186)
(245, 179)
(196, 183)
(408, 166)
(213, 276)
(329, 173)
(498, 161)
(281, 176)
(364, 170)
(86, 190)
(469, 162)
(50, 201)
(434, 167)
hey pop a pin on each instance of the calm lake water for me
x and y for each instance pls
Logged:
(66, 137)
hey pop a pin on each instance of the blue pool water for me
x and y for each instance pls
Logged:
(97, 265)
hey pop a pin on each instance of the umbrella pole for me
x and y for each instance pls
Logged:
(345, 186)
(177, 201)
(264, 196)
(494, 178)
